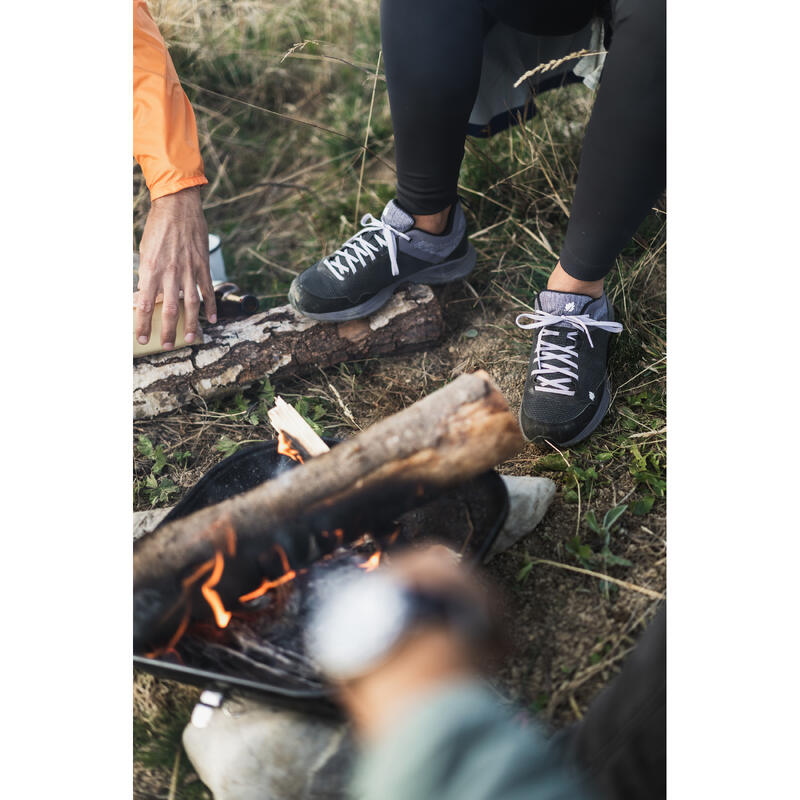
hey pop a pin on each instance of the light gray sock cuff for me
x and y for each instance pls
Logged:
(562, 303)
(426, 246)
(397, 217)
(437, 247)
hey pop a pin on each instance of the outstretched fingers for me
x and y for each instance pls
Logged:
(145, 303)
(169, 312)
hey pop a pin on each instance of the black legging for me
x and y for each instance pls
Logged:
(432, 52)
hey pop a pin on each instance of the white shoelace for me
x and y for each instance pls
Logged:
(560, 360)
(356, 249)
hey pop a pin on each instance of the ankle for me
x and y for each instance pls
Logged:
(562, 281)
(432, 223)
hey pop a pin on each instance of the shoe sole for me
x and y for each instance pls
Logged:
(594, 422)
(445, 272)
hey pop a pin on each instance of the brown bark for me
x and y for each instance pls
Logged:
(279, 342)
(442, 440)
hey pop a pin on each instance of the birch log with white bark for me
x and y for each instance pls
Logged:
(279, 342)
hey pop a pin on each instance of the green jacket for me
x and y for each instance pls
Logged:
(459, 743)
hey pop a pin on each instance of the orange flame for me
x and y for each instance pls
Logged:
(267, 585)
(176, 637)
(203, 568)
(285, 447)
(222, 616)
(169, 647)
(216, 566)
(230, 540)
(184, 623)
(288, 575)
(372, 562)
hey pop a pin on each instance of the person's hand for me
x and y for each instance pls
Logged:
(438, 569)
(173, 258)
(429, 656)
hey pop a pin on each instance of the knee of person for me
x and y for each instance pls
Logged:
(442, 91)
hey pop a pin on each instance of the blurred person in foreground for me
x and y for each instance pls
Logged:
(173, 252)
(407, 646)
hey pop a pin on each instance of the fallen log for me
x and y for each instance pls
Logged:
(275, 343)
(443, 440)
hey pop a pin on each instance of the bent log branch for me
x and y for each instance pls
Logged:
(445, 439)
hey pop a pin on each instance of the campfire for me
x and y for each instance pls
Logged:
(222, 587)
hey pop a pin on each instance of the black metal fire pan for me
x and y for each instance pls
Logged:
(485, 498)
(318, 701)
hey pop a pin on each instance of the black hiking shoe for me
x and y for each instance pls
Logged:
(384, 255)
(567, 392)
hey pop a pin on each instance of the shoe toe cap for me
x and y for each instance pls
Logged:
(539, 424)
(309, 294)
(305, 294)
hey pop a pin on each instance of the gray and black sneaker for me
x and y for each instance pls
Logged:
(384, 255)
(568, 391)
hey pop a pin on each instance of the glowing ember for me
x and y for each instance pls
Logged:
(222, 616)
(372, 562)
(288, 575)
(285, 447)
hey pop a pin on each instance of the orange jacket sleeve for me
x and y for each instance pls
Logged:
(164, 130)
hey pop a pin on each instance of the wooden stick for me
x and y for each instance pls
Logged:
(285, 419)
(173, 783)
(624, 584)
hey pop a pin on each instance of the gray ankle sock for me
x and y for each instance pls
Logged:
(428, 246)
(567, 303)
(397, 217)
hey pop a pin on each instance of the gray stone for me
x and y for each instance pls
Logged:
(248, 749)
(529, 498)
(145, 521)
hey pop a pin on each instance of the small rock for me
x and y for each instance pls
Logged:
(529, 498)
(146, 521)
(249, 750)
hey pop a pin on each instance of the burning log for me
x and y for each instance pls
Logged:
(279, 342)
(239, 549)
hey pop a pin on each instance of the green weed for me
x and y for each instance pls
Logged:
(156, 486)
